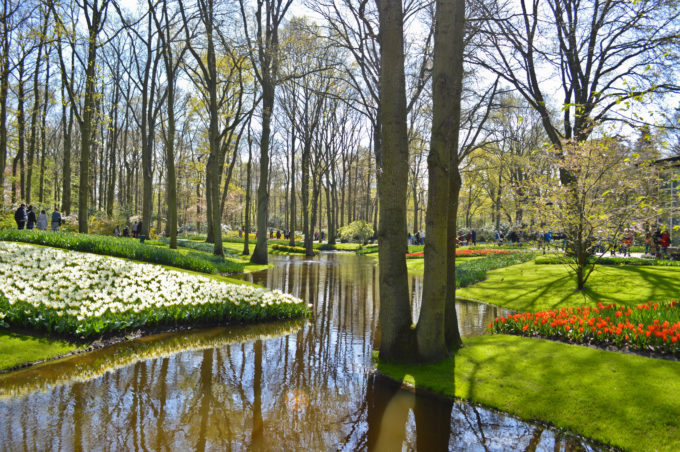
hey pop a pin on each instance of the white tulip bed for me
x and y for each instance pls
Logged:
(83, 295)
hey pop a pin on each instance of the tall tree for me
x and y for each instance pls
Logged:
(264, 54)
(95, 13)
(396, 340)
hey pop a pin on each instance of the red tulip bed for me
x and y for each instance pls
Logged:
(465, 253)
(651, 327)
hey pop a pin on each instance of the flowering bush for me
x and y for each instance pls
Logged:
(650, 326)
(466, 253)
(84, 294)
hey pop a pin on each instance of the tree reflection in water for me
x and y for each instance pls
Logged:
(264, 387)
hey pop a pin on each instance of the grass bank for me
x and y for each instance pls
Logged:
(126, 248)
(17, 349)
(628, 401)
(530, 287)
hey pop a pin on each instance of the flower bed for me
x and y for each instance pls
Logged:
(84, 295)
(650, 327)
(466, 253)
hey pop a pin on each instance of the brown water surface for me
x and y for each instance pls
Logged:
(303, 385)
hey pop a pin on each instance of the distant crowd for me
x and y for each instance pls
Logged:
(135, 231)
(26, 219)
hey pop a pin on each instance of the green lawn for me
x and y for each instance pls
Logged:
(417, 266)
(17, 349)
(531, 287)
(628, 401)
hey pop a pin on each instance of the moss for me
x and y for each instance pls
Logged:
(17, 349)
(625, 400)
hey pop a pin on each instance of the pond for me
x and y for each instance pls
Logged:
(302, 385)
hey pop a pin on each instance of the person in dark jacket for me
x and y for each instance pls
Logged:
(20, 216)
(31, 220)
(126, 231)
(56, 220)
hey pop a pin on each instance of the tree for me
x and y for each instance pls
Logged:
(359, 229)
(612, 190)
(396, 340)
(95, 13)
(268, 17)
(603, 54)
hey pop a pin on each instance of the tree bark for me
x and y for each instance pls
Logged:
(431, 325)
(396, 342)
(453, 339)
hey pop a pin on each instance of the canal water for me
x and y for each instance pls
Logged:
(298, 385)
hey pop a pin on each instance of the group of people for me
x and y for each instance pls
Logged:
(26, 219)
(416, 239)
(658, 242)
(136, 230)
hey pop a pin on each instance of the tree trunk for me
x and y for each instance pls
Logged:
(291, 226)
(431, 325)
(43, 136)
(260, 253)
(21, 132)
(457, 21)
(396, 342)
(4, 89)
(86, 125)
(246, 242)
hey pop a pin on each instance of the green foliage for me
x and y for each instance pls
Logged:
(471, 271)
(7, 220)
(124, 247)
(368, 250)
(291, 249)
(357, 231)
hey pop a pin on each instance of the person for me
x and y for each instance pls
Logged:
(20, 216)
(473, 233)
(417, 237)
(626, 243)
(271, 233)
(323, 235)
(126, 231)
(116, 231)
(30, 218)
(278, 234)
(56, 219)
(497, 238)
(409, 237)
(648, 241)
(665, 242)
(656, 240)
(42, 220)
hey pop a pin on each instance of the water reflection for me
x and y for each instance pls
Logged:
(292, 387)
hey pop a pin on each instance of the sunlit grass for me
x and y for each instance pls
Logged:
(625, 400)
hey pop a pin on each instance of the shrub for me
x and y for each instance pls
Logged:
(359, 231)
(472, 271)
